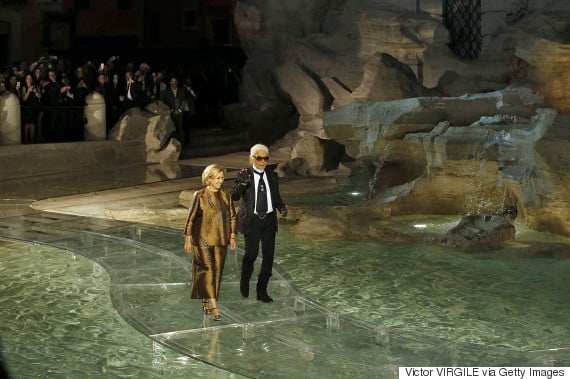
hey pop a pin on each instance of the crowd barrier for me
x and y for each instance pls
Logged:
(59, 123)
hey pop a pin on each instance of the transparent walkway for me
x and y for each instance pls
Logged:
(293, 337)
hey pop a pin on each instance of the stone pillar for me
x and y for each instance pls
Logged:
(10, 120)
(95, 114)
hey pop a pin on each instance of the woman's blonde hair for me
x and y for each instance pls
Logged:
(211, 172)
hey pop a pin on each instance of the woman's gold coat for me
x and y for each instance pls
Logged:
(211, 218)
(210, 223)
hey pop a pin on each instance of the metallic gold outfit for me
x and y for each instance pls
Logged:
(210, 222)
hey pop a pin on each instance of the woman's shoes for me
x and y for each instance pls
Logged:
(215, 315)
(210, 311)
(206, 307)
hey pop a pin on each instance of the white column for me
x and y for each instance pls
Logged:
(95, 127)
(10, 120)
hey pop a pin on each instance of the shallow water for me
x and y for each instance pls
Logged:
(58, 321)
(485, 298)
(437, 306)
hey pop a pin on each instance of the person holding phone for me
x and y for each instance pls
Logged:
(52, 99)
(30, 98)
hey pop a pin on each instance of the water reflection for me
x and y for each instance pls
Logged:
(57, 323)
(491, 298)
(408, 303)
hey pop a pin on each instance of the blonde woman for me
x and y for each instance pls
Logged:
(210, 228)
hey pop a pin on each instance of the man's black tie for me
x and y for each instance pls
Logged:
(261, 207)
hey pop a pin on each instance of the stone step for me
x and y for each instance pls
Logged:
(200, 137)
(215, 141)
(14, 208)
(18, 161)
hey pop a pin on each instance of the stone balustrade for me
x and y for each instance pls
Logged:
(95, 128)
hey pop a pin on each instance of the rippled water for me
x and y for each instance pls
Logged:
(58, 321)
(486, 298)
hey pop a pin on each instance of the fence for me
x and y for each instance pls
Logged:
(58, 123)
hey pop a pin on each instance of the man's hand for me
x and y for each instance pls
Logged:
(243, 177)
(284, 211)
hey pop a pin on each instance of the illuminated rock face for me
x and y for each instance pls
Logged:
(498, 153)
(480, 233)
(551, 66)
(446, 136)
(307, 58)
(154, 127)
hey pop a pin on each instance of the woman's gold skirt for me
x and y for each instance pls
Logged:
(207, 269)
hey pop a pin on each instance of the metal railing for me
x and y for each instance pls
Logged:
(62, 123)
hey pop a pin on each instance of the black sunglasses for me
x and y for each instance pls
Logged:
(258, 158)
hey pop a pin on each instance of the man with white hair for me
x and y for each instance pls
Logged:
(258, 188)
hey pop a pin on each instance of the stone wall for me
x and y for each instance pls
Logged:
(17, 161)
(444, 135)
(306, 58)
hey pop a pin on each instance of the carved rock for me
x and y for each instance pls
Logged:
(153, 126)
(480, 232)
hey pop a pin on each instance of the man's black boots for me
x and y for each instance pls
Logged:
(244, 286)
(262, 290)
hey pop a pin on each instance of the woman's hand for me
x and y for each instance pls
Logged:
(232, 243)
(188, 245)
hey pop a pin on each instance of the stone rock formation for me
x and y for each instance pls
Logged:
(385, 78)
(545, 250)
(550, 61)
(306, 58)
(499, 153)
(444, 135)
(153, 126)
(480, 232)
(315, 156)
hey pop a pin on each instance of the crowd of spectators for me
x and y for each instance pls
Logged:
(52, 93)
